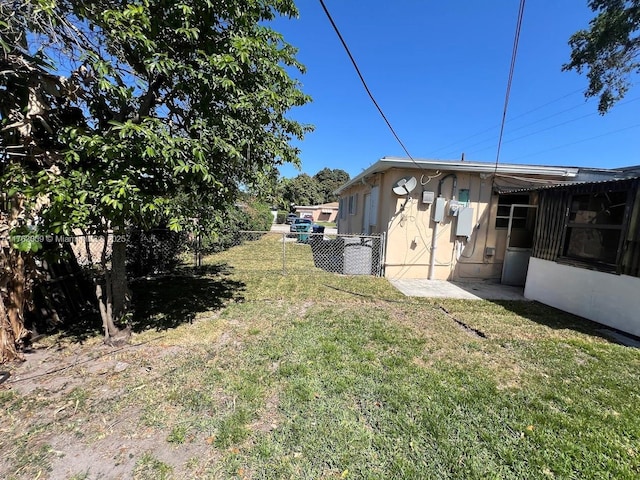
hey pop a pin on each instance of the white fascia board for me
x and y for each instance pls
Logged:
(387, 163)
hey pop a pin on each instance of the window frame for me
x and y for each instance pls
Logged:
(519, 223)
(353, 204)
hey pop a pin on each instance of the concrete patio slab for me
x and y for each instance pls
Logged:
(469, 291)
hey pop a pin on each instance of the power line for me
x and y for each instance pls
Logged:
(561, 124)
(524, 114)
(579, 141)
(514, 55)
(571, 120)
(364, 83)
(491, 138)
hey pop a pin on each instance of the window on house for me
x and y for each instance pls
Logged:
(594, 227)
(342, 214)
(353, 204)
(520, 214)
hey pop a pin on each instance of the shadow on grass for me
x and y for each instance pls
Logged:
(167, 301)
(164, 301)
(559, 320)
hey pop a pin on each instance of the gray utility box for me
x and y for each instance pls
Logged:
(464, 225)
(357, 256)
(438, 209)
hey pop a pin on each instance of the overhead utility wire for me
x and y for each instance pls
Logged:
(355, 65)
(514, 54)
(579, 141)
(571, 120)
(491, 138)
(458, 142)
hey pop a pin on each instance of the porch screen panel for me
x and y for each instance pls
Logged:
(547, 243)
(591, 225)
(631, 254)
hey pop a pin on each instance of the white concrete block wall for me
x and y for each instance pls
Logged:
(609, 299)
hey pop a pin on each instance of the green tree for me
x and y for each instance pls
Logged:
(115, 109)
(329, 181)
(301, 190)
(608, 50)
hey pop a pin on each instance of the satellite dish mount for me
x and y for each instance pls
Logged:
(404, 187)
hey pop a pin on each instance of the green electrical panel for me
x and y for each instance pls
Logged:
(463, 196)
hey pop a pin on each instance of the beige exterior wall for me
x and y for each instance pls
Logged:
(352, 221)
(409, 227)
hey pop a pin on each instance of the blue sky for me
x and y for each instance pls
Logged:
(439, 71)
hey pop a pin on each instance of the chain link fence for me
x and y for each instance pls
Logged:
(148, 252)
(285, 253)
(304, 253)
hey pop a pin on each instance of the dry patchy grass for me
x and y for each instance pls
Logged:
(323, 376)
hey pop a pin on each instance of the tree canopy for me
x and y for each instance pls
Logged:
(608, 50)
(157, 95)
(110, 111)
(312, 190)
(329, 181)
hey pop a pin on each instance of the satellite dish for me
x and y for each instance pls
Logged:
(405, 186)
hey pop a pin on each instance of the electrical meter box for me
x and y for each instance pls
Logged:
(438, 209)
(464, 225)
(454, 207)
(428, 197)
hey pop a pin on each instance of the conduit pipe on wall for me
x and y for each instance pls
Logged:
(436, 223)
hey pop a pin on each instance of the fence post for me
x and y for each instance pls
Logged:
(284, 254)
(195, 250)
(383, 253)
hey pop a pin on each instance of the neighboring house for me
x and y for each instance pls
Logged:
(586, 251)
(327, 212)
(471, 203)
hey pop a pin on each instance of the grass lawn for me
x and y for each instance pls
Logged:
(238, 373)
(327, 224)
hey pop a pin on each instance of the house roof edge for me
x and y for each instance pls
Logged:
(387, 163)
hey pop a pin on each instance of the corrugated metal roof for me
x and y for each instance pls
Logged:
(506, 189)
(387, 163)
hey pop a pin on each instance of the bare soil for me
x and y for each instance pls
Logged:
(67, 391)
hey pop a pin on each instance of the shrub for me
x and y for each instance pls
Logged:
(282, 216)
(255, 217)
(154, 251)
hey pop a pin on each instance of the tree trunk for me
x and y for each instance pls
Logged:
(119, 287)
(8, 343)
(112, 292)
(14, 286)
(12, 330)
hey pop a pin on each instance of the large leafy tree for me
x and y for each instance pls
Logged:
(111, 110)
(608, 50)
(330, 180)
(301, 190)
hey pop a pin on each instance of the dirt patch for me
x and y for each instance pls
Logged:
(268, 417)
(68, 414)
(116, 456)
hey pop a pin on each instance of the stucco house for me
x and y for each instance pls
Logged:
(453, 220)
(327, 212)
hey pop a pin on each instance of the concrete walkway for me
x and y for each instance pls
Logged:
(469, 291)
